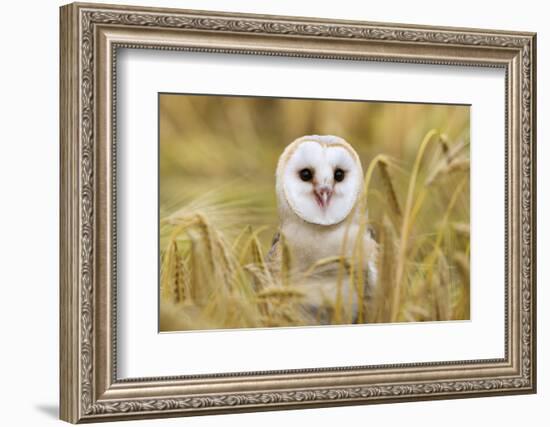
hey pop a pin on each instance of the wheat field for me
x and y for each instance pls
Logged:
(218, 211)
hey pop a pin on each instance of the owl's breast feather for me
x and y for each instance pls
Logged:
(309, 243)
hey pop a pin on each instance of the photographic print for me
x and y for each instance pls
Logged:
(280, 212)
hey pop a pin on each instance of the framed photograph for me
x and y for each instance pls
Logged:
(265, 212)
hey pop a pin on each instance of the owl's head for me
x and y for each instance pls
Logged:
(319, 179)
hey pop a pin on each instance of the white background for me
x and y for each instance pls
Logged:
(142, 347)
(29, 171)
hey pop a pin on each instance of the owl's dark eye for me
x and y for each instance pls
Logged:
(306, 174)
(339, 175)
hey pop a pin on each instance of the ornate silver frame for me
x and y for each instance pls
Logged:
(90, 36)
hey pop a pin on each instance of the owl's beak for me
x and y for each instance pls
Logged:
(323, 195)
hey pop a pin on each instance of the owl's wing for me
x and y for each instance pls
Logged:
(371, 248)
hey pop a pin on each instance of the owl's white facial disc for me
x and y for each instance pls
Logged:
(321, 181)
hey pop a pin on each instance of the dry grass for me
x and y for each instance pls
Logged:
(215, 273)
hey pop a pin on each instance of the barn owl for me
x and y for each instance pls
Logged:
(319, 182)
